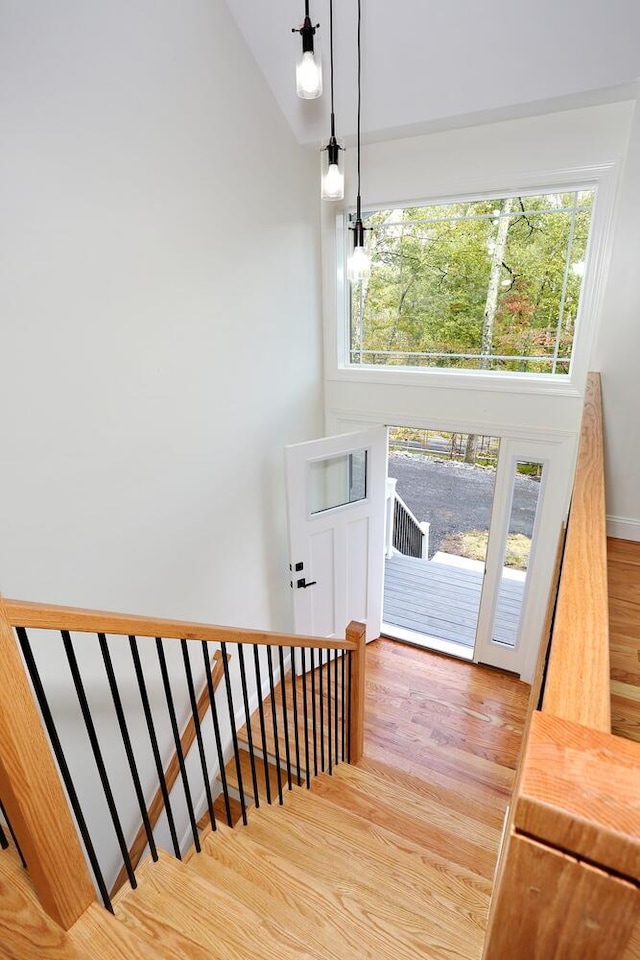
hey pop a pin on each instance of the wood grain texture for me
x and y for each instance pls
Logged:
(624, 618)
(412, 903)
(33, 796)
(577, 684)
(156, 807)
(549, 906)
(580, 792)
(356, 633)
(22, 613)
(26, 932)
(99, 934)
(200, 919)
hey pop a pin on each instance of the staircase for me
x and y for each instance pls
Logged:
(330, 873)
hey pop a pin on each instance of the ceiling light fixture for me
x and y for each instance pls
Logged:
(332, 177)
(359, 265)
(308, 69)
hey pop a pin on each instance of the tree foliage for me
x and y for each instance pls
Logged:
(431, 273)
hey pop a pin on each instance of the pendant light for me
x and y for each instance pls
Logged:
(308, 68)
(332, 176)
(359, 264)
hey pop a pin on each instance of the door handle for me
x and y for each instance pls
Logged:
(302, 584)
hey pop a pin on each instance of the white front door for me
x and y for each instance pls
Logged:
(336, 490)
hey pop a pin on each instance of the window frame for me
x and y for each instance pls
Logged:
(601, 178)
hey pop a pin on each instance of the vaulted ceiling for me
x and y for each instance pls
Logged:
(429, 66)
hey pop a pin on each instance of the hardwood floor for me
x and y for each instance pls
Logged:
(624, 636)
(454, 728)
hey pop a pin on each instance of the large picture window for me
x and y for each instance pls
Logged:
(490, 284)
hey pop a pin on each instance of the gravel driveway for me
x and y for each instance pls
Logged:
(455, 497)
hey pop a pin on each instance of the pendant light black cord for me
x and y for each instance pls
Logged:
(358, 217)
(333, 120)
(358, 235)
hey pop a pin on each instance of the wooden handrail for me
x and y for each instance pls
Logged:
(171, 773)
(22, 613)
(577, 682)
(568, 879)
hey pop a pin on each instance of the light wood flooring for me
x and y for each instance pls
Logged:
(443, 601)
(624, 636)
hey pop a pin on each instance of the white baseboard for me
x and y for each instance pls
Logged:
(624, 528)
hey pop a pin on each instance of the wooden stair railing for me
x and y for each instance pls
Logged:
(171, 774)
(29, 783)
(567, 885)
(33, 796)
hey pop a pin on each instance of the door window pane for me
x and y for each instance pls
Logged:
(525, 498)
(336, 481)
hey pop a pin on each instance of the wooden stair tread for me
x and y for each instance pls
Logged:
(407, 802)
(97, 933)
(281, 738)
(274, 886)
(261, 777)
(448, 795)
(356, 838)
(339, 919)
(199, 920)
(26, 932)
(438, 839)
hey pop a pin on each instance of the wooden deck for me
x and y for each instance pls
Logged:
(443, 601)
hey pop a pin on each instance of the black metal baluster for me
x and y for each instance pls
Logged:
(97, 754)
(176, 739)
(126, 739)
(329, 726)
(196, 723)
(335, 709)
(62, 764)
(146, 706)
(216, 731)
(247, 715)
(313, 715)
(274, 721)
(306, 716)
(3, 839)
(234, 734)
(349, 697)
(263, 731)
(321, 686)
(283, 698)
(342, 667)
(294, 693)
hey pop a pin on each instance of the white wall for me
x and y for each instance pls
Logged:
(617, 355)
(160, 310)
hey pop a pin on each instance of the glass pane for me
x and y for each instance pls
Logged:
(337, 480)
(515, 562)
(488, 284)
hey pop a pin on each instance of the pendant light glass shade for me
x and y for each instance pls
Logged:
(359, 263)
(332, 187)
(308, 76)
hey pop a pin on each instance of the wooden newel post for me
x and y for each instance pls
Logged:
(356, 633)
(33, 795)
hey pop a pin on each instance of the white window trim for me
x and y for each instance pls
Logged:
(602, 178)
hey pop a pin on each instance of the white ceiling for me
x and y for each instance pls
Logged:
(429, 66)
